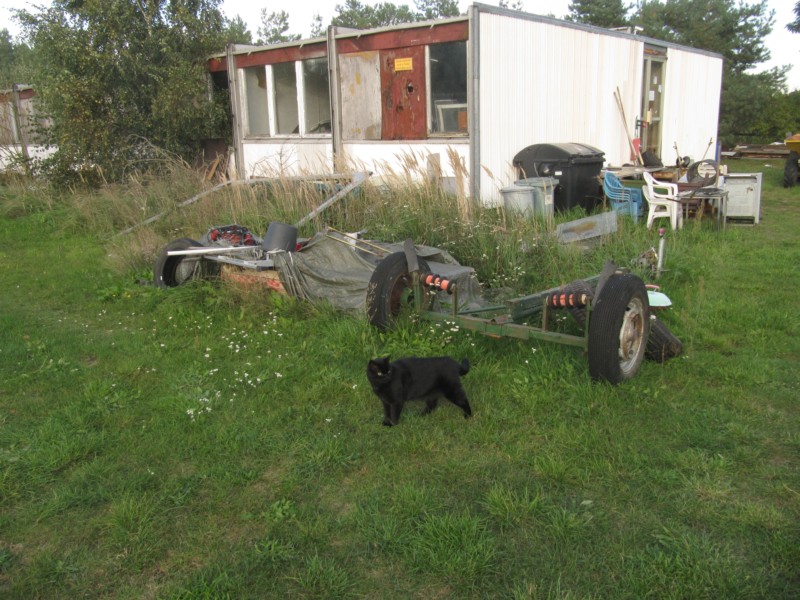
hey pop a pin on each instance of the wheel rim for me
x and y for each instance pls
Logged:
(185, 270)
(631, 335)
(400, 296)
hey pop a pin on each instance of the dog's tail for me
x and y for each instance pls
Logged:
(463, 367)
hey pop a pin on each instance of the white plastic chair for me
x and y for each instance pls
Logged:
(663, 201)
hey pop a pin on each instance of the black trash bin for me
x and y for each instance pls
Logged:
(576, 166)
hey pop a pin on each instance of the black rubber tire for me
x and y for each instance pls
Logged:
(662, 343)
(704, 171)
(172, 271)
(790, 170)
(387, 287)
(618, 330)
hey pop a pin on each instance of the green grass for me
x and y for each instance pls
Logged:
(208, 444)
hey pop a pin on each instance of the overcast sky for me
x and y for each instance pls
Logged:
(784, 45)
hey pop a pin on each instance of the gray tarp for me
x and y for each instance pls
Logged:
(339, 271)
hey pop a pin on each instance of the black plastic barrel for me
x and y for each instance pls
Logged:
(280, 236)
(576, 167)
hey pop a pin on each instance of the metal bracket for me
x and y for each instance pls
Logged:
(411, 256)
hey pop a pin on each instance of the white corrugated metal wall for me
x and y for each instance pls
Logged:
(691, 105)
(542, 82)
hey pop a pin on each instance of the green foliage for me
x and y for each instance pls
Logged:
(109, 72)
(317, 29)
(356, 14)
(237, 31)
(755, 109)
(794, 26)
(737, 31)
(15, 62)
(273, 28)
(603, 13)
(436, 9)
(516, 5)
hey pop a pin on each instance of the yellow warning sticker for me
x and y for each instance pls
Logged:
(403, 64)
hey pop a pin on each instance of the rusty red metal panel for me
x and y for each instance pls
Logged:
(217, 65)
(271, 56)
(403, 94)
(24, 94)
(401, 38)
(280, 55)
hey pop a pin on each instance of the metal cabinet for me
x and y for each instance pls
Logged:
(744, 195)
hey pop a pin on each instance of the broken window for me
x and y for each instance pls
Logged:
(255, 85)
(447, 72)
(316, 95)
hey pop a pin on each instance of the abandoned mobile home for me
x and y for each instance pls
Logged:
(459, 98)
(20, 124)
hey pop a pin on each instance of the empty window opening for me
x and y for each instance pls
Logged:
(316, 96)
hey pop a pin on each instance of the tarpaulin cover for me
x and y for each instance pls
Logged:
(339, 270)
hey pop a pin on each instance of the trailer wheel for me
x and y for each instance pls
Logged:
(391, 289)
(618, 330)
(172, 271)
(662, 344)
(790, 170)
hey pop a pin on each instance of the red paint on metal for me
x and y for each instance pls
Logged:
(403, 94)
(403, 38)
(385, 40)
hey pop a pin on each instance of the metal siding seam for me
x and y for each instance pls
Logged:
(475, 104)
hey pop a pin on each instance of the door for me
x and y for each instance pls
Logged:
(651, 119)
(403, 94)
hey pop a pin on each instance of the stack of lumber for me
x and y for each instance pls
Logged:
(777, 150)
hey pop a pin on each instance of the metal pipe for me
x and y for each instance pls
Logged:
(661, 246)
(346, 243)
(360, 241)
(357, 180)
(209, 250)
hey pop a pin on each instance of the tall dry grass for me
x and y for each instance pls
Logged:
(169, 199)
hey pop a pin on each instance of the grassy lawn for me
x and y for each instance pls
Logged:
(208, 443)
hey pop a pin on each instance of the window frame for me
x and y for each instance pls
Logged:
(272, 101)
(432, 107)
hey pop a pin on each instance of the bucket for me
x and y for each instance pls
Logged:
(280, 236)
(531, 197)
(519, 199)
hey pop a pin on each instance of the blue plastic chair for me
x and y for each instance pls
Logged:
(625, 200)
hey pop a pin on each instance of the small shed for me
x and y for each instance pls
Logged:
(456, 99)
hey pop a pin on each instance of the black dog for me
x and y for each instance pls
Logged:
(416, 379)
